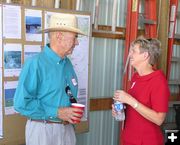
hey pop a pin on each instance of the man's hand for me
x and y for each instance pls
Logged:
(69, 114)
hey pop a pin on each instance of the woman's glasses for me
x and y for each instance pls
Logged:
(144, 41)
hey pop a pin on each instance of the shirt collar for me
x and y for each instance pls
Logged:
(52, 55)
(148, 76)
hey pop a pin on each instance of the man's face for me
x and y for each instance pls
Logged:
(69, 41)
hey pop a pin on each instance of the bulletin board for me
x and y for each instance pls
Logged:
(18, 41)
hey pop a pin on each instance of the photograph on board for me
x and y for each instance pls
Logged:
(12, 59)
(33, 24)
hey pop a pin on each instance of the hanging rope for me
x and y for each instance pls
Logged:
(8, 1)
(57, 4)
(33, 2)
(114, 16)
(78, 5)
(96, 15)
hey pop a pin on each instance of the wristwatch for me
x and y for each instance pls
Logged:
(135, 105)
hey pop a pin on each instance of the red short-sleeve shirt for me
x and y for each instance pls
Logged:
(152, 91)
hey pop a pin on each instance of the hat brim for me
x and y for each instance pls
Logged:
(68, 29)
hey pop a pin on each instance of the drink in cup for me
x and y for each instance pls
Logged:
(80, 106)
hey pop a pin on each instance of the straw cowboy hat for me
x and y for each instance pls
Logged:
(63, 22)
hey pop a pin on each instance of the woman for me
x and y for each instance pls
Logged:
(147, 98)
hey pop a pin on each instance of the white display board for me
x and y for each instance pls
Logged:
(19, 41)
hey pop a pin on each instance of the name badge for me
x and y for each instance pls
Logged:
(133, 85)
(74, 81)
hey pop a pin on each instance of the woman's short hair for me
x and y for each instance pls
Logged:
(152, 46)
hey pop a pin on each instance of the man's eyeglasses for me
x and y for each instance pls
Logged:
(69, 93)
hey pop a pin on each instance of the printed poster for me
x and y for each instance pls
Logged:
(9, 91)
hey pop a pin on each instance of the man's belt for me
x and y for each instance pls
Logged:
(50, 122)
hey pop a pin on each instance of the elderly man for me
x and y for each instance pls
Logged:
(42, 95)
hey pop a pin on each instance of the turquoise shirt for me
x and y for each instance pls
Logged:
(42, 83)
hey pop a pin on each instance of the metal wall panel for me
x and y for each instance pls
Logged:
(106, 74)
(105, 11)
(175, 73)
(106, 63)
(175, 68)
(103, 130)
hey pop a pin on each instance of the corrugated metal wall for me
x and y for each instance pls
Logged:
(103, 130)
(175, 73)
(175, 69)
(107, 55)
(106, 74)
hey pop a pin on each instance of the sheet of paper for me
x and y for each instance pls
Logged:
(33, 23)
(1, 103)
(11, 22)
(0, 35)
(1, 111)
(12, 59)
(9, 91)
(80, 61)
(31, 50)
(46, 25)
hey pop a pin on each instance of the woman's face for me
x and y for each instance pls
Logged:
(136, 57)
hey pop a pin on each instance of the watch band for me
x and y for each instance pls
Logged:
(135, 105)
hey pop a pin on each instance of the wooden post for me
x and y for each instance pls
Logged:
(163, 32)
(65, 4)
(26, 2)
(47, 3)
(68, 4)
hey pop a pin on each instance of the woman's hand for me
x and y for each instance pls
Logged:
(113, 111)
(122, 96)
(146, 112)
